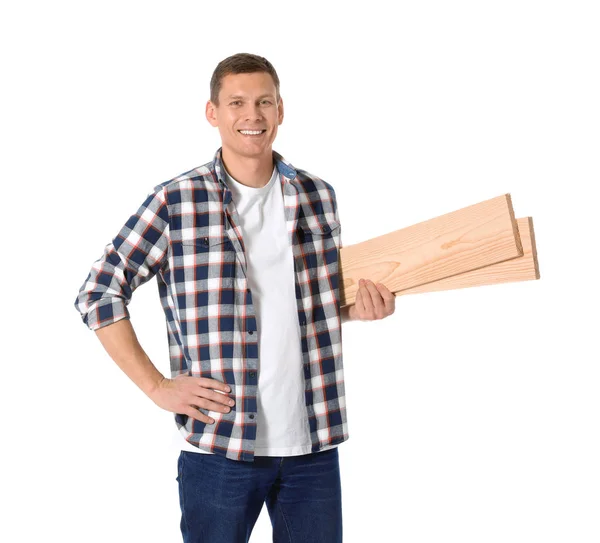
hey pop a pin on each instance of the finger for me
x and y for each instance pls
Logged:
(376, 299)
(211, 395)
(213, 383)
(368, 312)
(359, 303)
(199, 416)
(208, 404)
(389, 299)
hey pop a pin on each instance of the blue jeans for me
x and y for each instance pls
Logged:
(221, 498)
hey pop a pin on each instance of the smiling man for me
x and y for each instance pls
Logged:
(247, 110)
(245, 251)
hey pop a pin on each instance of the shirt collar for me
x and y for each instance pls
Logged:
(283, 166)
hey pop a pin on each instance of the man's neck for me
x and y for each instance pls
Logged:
(250, 171)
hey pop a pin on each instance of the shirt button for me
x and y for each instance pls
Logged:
(205, 241)
(250, 332)
(302, 322)
(251, 416)
(252, 374)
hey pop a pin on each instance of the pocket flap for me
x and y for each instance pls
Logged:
(205, 241)
(319, 226)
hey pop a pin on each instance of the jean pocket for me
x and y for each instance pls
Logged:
(179, 468)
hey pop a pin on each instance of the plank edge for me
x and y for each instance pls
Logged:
(533, 247)
(515, 226)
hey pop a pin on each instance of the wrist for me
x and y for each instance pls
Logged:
(346, 314)
(154, 385)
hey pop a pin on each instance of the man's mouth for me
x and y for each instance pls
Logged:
(252, 133)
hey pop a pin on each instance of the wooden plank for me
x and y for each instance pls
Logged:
(523, 268)
(467, 239)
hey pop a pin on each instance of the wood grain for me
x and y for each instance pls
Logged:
(523, 268)
(464, 240)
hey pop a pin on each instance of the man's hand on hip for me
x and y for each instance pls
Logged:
(185, 394)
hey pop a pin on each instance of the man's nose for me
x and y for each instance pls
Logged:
(253, 112)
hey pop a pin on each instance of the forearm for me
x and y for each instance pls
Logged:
(122, 345)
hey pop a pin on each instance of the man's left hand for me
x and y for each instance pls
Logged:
(373, 302)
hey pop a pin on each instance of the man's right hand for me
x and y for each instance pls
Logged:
(185, 394)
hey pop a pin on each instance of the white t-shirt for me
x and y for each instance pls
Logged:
(282, 424)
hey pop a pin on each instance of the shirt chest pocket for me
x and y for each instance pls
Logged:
(205, 263)
(320, 243)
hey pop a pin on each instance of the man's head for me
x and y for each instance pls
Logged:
(242, 63)
(244, 95)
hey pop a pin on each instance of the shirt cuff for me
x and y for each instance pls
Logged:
(104, 312)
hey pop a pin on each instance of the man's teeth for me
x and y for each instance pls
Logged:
(251, 132)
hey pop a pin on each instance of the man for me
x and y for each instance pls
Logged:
(245, 251)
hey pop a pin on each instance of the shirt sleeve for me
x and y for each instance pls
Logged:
(336, 215)
(132, 258)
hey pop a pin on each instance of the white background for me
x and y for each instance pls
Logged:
(474, 414)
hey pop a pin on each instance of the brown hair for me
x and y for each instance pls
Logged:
(240, 63)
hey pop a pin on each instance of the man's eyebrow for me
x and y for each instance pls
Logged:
(238, 97)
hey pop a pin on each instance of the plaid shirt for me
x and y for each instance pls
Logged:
(187, 234)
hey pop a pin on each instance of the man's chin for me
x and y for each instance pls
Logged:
(253, 151)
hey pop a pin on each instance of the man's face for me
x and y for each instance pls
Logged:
(247, 102)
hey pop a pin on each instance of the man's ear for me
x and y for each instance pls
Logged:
(211, 113)
(280, 118)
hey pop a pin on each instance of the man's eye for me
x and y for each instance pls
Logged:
(236, 102)
(266, 101)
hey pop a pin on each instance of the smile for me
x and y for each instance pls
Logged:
(251, 132)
